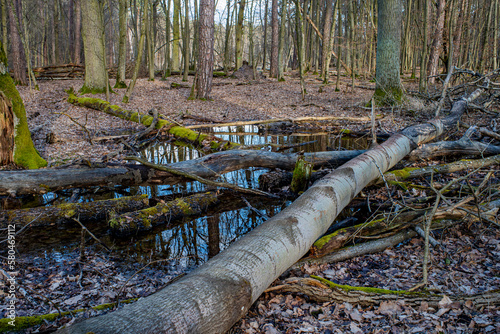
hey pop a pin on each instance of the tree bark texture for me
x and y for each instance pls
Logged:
(17, 50)
(388, 86)
(24, 153)
(274, 39)
(78, 32)
(437, 41)
(206, 40)
(6, 131)
(122, 44)
(209, 166)
(217, 294)
(239, 35)
(96, 80)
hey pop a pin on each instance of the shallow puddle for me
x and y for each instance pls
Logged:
(190, 242)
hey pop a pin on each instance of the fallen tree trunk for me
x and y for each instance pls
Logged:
(458, 147)
(457, 166)
(217, 294)
(322, 290)
(146, 219)
(180, 132)
(63, 213)
(20, 182)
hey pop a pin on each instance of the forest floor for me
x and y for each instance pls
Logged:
(467, 262)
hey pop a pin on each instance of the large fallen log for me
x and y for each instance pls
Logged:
(20, 182)
(217, 294)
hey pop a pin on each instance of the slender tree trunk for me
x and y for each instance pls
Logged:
(239, 35)
(264, 40)
(339, 48)
(17, 50)
(205, 49)
(274, 39)
(176, 37)
(437, 42)
(78, 30)
(4, 25)
(94, 48)
(150, 43)
(423, 57)
(496, 36)
(140, 51)
(167, 67)
(122, 45)
(227, 40)
(55, 41)
(187, 38)
(300, 47)
(281, 57)
(388, 88)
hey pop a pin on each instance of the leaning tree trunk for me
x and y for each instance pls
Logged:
(217, 294)
(22, 152)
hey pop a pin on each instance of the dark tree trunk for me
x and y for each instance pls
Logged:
(275, 39)
(205, 50)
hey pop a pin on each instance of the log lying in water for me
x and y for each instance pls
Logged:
(146, 219)
(63, 213)
(40, 181)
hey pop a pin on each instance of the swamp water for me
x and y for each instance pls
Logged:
(192, 241)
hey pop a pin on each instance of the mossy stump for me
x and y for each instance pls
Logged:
(301, 175)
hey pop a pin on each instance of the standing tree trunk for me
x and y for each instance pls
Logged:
(264, 39)
(437, 41)
(186, 39)
(422, 87)
(388, 89)
(96, 80)
(140, 52)
(78, 31)
(150, 42)
(122, 45)
(205, 50)
(281, 49)
(4, 25)
(13, 124)
(239, 35)
(301, 53)
(177, 36)
(327, 29)
(227, 41)
(18, 56)
(274, 39)
(167, 66)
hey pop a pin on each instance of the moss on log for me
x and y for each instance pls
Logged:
(64, 213)
(301, 175)
(25, 154)
(162, 213)
(199, 139)
(21, 323)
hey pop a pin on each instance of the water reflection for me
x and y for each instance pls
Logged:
(191, 242)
